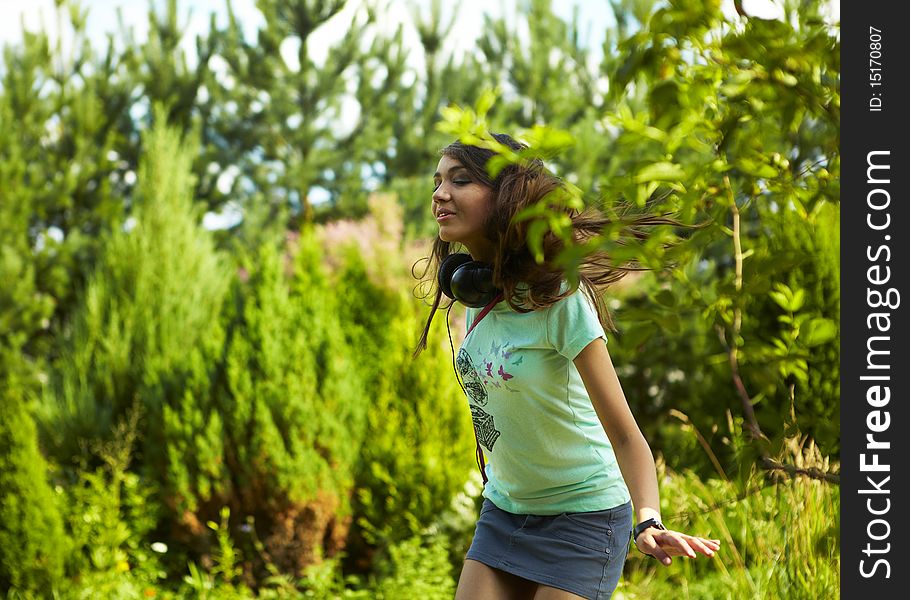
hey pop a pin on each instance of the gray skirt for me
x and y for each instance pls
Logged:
(582, 553)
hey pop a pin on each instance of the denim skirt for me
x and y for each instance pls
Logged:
(582, 553)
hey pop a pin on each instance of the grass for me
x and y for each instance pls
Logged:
(779, 536)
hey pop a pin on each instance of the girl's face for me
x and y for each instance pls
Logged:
(461, 206)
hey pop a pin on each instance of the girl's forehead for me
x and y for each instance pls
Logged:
(447, 163)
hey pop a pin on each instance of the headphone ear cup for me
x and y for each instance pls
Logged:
(472, 284)
(447, 270)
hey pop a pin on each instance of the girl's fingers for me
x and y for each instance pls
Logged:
(680, 544)
(710, 542)
(700, 545)
(673, 544)
(665, 544)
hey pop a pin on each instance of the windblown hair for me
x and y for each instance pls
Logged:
(527, 285)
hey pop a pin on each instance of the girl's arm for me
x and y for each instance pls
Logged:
(633, 455)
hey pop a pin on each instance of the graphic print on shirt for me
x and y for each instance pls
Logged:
(484, 428)
(496, 365)
(487, 434)
(476, 391)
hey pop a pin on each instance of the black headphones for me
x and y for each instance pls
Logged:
(468, 281)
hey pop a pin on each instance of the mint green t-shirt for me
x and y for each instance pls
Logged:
(547, 452)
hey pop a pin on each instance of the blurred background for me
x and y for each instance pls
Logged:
(209, 216)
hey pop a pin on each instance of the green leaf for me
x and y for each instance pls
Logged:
(669, 323)
(789, 300)
(781, 299)
(536, 232)
(497, 163)
(785, 78)
(666, 298)
(818, 331)
(485, 102)
(660, 171)
(532, 212)
(547, 141)
(799, 298)
(756, 168)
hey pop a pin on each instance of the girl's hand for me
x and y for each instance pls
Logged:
(662, 544)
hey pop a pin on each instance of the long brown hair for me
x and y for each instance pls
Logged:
(527, 285)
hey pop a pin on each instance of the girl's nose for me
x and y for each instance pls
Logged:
(441, 194)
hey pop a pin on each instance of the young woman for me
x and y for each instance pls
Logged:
(567, 461)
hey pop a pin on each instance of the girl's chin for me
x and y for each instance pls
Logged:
(447, 236)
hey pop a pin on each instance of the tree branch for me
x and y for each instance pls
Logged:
(745, 400)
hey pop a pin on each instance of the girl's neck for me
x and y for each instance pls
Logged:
(482, 251)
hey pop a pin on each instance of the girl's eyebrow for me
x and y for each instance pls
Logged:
(436, 175)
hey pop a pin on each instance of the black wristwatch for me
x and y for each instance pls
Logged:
(652, 522)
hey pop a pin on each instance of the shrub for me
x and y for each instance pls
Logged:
(31, 534)
(419, 450)
(147, 333)
(293, 404)
(110, 514)
(32, 543)
(417, 568)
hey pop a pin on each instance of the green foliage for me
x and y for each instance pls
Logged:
(110, 515)
(294, 405)
(147, 332)
(417, 569)
(32, 542)
(814, 328)
(145, 337)
(779, 539)
(276, 116)
(418, 456)
(326, 581)
(419, 450)
(66, 146)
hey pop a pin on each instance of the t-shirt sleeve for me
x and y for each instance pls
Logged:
(572, 324)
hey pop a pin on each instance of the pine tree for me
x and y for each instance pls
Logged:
(65, 116)
(277, 116)
(148, 332)
(294, 405)
(32, 543)
(419, 450)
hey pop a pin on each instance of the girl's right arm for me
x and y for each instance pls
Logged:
(633, 455)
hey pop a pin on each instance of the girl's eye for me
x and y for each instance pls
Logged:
(458, 182)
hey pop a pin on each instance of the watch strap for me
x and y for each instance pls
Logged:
(652, 522)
